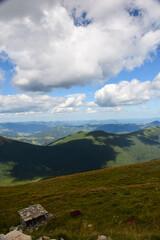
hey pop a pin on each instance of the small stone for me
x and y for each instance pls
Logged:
(46, 238)
(61, 238)
(89, 225)
(40, 238)
(16, 235)
(102, 237)
(2, 237)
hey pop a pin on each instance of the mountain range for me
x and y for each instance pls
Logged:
(78, 152)
(42, 133)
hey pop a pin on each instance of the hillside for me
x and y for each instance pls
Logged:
(118, 149)
(79, 152)
(120, 202)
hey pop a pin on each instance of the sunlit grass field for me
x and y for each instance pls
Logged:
(120, 202)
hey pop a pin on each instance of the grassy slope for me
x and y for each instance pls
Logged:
(80, 152)
(108, 198)
(142, 145)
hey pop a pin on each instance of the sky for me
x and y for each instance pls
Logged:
(79, 60)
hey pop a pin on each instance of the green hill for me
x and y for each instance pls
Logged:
(119, 149)
(79, 152)
(120, 202)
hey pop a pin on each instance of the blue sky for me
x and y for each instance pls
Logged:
(77, 60)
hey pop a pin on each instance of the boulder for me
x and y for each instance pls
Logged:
(16, 235)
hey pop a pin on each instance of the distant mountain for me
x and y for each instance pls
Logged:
(43, 133)
(76, 153)
(17, 129)
(126, 127)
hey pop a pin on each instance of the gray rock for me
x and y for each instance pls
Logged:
(102, 237)
(46, 238)
(16, 235)
(2, 237)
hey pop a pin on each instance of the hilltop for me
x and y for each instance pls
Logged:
(79, 152)
(120, 202)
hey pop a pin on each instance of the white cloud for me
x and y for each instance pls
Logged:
(71, 104)
(114, 109)
(91, 110)
(50, 51)
(128, 93)
(91, 104)
(108, 109)
(27, 104)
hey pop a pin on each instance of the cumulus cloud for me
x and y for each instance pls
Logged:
(91, 110)
(27, 104)
(60, 44)
(71, 104)
(91, 104)
(128, 93)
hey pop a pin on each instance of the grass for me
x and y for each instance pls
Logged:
(108, 200)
